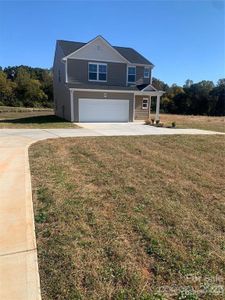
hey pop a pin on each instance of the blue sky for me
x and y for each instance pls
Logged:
(184, 39)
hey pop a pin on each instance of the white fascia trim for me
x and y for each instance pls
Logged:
(97, 60)
(156, 93)
(104, 41)
(149, 93)
(142, 65)
(105, 91)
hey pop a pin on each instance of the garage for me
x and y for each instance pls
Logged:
(103, 110)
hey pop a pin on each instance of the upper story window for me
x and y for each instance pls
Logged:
(131, 74)
(146, 72)
(97, 72)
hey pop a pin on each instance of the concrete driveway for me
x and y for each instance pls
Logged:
(100, 129)
(19, 277)
(137, 128)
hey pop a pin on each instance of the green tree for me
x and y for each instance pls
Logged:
(7, 88)
(29, 90)
(159, 84)
(47, 86)
(197, 98)
(218, 95)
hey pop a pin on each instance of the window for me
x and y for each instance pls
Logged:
(97, 72)
(146, 72)
(93, 72)
(102, 70)
(131, 74)
(145, 103)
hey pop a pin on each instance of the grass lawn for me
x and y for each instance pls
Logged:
(26, 118)
(122, 217)
(198, 122)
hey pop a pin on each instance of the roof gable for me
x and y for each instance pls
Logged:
(98, 49)
(149, 88)
(128, 55)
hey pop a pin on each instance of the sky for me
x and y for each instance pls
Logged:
(183, 39)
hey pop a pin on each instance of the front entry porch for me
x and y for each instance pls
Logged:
(143, 105)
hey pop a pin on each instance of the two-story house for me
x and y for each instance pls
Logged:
(98, 82)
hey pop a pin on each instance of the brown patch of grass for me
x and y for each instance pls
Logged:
(198, 122)
(119, 217)
(32, 119)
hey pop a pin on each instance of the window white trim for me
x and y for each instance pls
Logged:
(148, 70)
(128, 74)
(145, 103)
(98, 64)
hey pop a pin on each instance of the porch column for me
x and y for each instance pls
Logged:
(71, 106)
(134, 108)
(149, 106)
(157, 108)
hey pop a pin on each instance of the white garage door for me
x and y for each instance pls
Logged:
(103, 110)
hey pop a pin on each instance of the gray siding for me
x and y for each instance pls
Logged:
(140, 113)
(78, 73)
(100, 95)
(140, 76)
(61, 92)
(117, 74)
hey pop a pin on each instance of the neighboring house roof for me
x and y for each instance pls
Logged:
(130, 54)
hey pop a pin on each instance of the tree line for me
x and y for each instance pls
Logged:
(26, 86)
(201, 98)
(33, 87)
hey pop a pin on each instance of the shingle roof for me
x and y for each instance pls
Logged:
(69, 47)
(130, 54)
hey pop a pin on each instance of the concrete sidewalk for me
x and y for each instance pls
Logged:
(19, 277)
(18, 255)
